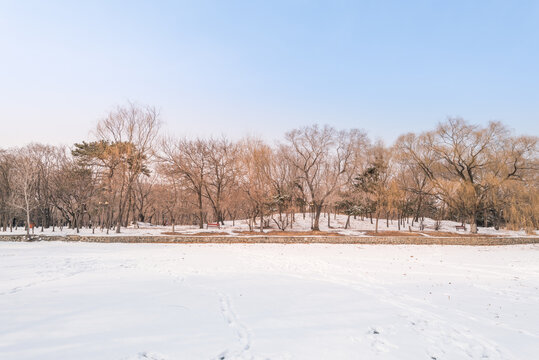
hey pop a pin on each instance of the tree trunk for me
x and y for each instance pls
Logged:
(317, 211)
(27, 212)
(329, 220)
(418, 210)
(473, 225)
(129, 207)
(261, 220)
(200, 211)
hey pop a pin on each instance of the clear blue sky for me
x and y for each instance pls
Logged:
(253, 67)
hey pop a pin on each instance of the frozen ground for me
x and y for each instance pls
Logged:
(267, 301)
(358, 227)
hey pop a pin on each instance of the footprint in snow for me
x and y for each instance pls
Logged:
(378, 341)
(145, 355)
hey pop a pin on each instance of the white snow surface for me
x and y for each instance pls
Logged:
(81, 301)
(336, 224)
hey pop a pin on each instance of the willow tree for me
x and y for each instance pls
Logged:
(255, 160)
(466, 163)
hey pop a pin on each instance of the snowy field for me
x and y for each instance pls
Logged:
(267, 301)
(358, 227)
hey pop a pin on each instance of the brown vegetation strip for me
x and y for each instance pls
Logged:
(289, 233)
(379, 240)
(426, 234)
(389, 233)
(450, 234)
(326, 233)
(207, 233)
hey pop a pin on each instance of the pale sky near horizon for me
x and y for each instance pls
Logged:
(263, 68)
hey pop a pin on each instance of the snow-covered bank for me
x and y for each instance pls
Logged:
(156, 301)
(337, 224)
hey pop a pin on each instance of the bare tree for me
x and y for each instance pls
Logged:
(25, 184)
(73, 187)
(7, 166)
(324, 158)
(282, 176)
(141, 197)
(189, 160)
(222, 156)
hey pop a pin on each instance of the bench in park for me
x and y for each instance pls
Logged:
(460, 227)
(216, 225)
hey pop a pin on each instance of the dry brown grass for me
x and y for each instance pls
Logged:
(419, 233)
(455, 234)
(390, 233)
(289, 233)
(207, 233)
(326, 233)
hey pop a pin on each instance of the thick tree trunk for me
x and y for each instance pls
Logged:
(28, 223)
(473, 225)
(329, 220)
(418, 210)
(317, 212)
(129, 207)
(221, 217)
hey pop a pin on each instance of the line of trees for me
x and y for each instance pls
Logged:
(129, 174)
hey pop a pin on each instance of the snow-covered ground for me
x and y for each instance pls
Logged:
(267, 301)
(358, 227)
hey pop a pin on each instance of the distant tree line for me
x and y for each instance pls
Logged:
(128, 174)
